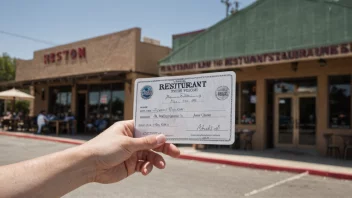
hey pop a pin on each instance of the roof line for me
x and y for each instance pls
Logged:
(188, 33)
(90, 38)
(212, 27)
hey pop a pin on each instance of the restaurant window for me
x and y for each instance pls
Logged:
(284, 87)
(117, 105)
(340, 102)
(99, 100)
(248, 100)
(107, 101)
(60, 101)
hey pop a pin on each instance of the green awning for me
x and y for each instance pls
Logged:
(269, 26)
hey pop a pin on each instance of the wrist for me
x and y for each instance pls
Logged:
(86, 163)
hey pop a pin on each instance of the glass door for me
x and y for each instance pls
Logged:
(295, 120)
(284, 120)
(306, 120)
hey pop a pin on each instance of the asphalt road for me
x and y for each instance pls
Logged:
(184, 178)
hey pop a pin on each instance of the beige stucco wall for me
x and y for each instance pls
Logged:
(40, 104)
(148, 56)
(112, 52)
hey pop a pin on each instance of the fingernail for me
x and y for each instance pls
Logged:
(162, 164)
(145, 170)
(160, 139)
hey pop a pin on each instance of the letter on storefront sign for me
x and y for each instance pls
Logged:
(73, 54)
(52, 58)
(46, 59)
(59, 57)
(344, 49)
(82, 52)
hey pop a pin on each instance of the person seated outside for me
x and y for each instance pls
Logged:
(70, 118)
(90, 124)
(52, 117)
(100, 123)
(19, 117)
(5, 120)
(42, 121)
(8, 116)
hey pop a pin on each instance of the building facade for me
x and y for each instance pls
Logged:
(90, 78)
(293, 61)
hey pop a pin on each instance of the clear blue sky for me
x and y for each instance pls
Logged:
(67, 21)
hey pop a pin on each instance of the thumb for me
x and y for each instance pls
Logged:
(148, 142)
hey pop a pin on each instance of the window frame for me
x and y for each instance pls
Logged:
(239, 107)
(328, 102)
(100, 88)
(61, 89)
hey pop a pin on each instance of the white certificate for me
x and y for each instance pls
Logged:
(192, 109)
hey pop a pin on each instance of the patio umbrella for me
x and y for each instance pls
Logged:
(14, 94)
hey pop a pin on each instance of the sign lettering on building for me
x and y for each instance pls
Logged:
(267, 58)
(65, 55)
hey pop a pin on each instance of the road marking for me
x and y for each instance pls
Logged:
(276, 184)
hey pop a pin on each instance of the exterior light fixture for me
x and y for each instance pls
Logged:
(322, 62)
(294, 66)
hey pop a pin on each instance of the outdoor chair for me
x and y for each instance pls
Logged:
(347, 147)
(248, 136)
(330, 147)
(26, 124)
(6, 123)
(237, 144)
(33, 127)
(72, 127)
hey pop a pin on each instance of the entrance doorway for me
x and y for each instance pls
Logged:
(295, 120)
(81, 112)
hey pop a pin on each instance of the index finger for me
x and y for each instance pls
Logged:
(168, 149)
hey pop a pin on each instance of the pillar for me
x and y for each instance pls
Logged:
(322, 112)
(74, 99)
(31, 103)
(259, 138)
(129, 92)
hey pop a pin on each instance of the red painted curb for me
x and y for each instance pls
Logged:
(269, 167)
(46, 138)
(205, 159)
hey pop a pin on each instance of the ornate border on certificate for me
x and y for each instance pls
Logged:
(185, 78)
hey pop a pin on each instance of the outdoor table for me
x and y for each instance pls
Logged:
(58, 124)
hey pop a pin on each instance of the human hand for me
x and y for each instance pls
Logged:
(117, 155)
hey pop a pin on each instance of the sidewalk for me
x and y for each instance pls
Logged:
(270, 159)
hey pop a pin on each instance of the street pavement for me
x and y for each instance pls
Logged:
(186, 178)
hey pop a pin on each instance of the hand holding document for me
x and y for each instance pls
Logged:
(192, 109)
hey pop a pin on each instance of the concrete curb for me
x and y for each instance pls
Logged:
(201, 159)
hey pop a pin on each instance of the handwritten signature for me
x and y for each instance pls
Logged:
(203, 127)
(183, 95)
